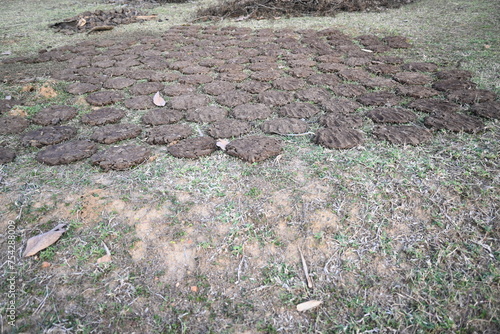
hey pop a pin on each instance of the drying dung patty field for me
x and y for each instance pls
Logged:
(212, 176)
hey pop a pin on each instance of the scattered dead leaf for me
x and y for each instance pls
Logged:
(308, 305)
(44, 240)
(158, 100)
(222, 143)
(81, 22)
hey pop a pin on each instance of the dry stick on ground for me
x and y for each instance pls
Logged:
(100, 28)
(306, 271)
(299, 134)
(242, 262)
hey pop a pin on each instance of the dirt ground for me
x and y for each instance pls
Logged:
(369, 181)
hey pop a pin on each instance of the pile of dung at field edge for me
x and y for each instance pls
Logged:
(273, 8)
(100, 20)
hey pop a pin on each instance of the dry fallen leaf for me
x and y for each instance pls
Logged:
(158, 100)
(222, 143)
(81, 22)
(44, 240)
(308, 305)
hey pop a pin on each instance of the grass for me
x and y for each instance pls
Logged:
(397, 239)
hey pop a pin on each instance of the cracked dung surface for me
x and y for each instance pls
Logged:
(254, 148)
(54, 115)
(283, 126)
(66, 153)
(103, 116)
(120, 157)
(391, 115)
(405, 134)
(12, 125)
(49, 135)
(338, 137)
(193, 147)
(7, 155)
(166, 134)
(113, 133)
(240, 81)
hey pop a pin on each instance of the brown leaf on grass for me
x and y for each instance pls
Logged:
(44, 240)
(308, 305)
(222, 143)
(158, 100)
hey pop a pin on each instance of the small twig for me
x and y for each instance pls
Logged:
(108, 253)
(43, 301)
(306, 271)
(299, 134)
(20, 213)
(157, 294)
(100, 28)
(239, 268)
(199, 131)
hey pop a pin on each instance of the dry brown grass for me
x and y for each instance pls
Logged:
(270, 9)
